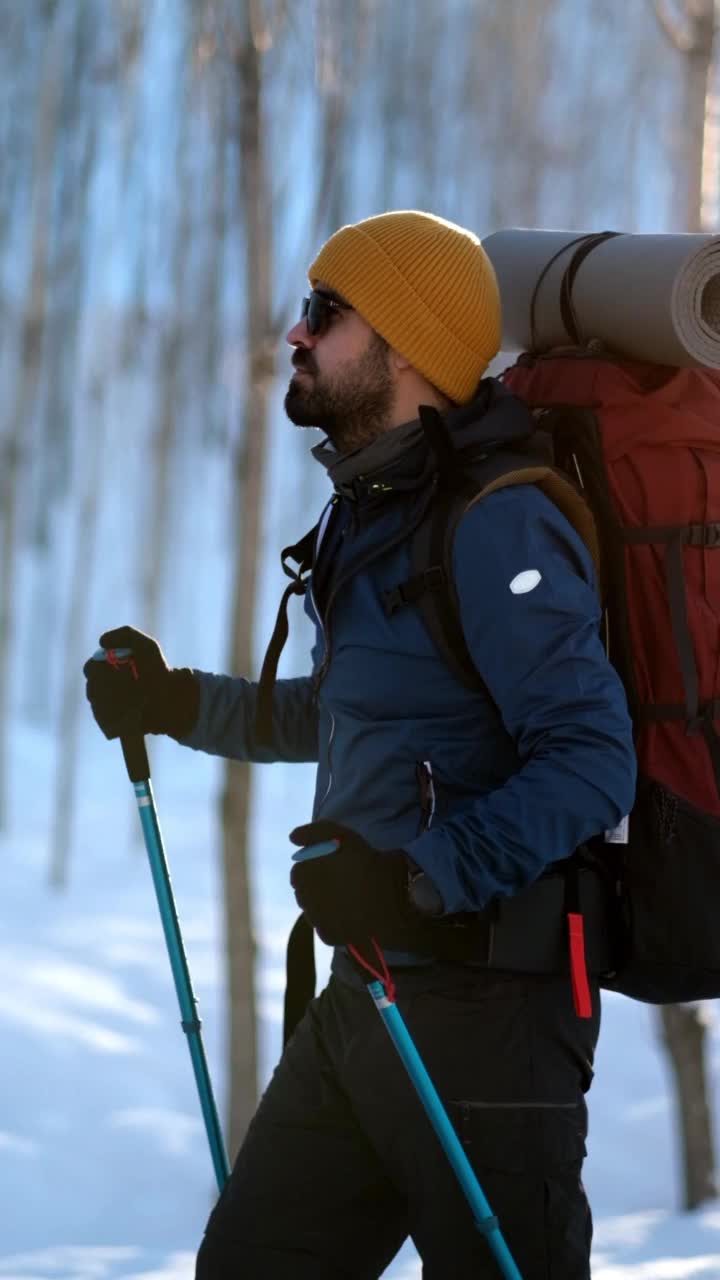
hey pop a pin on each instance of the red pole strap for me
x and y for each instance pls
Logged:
(114, 660)
(383, 975)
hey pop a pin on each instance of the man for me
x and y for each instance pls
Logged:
(445, 803)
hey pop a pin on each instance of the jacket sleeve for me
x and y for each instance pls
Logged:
(226, 721)
(530, 613)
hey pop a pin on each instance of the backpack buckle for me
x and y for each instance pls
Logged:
(704, 535)
(432, 579)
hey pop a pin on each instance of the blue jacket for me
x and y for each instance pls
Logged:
(521, 773)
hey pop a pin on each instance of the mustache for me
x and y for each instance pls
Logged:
(303, 360)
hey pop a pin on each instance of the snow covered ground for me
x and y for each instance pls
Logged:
(104, 1171)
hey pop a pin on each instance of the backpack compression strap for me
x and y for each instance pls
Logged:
(699, 716)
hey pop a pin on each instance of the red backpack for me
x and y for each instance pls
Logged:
(643, 443)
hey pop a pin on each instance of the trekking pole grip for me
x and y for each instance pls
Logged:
(132, 740)
(136, 757)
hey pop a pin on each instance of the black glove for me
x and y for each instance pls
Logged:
(140, 694)
(357, 892)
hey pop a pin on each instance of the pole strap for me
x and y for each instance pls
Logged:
(382, 975)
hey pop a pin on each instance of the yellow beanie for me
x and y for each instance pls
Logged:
(426, 286)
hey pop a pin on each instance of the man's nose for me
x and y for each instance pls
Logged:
(299, 335)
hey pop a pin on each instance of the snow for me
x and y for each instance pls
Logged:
(104, 1168)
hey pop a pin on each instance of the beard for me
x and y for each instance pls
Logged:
(352, 406)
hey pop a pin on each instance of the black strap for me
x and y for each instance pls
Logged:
(706, 536)
(571, 885)
(268, 673)
(300, 974)
(698, 716)
(439, 439)
(657, 711)
(431, 585)
(708, 713)
(677, 600)
(302, 553)
(536, 290)
(440, 607)
(409, 592)
(585, 246)
(567, 308)
(527, 932)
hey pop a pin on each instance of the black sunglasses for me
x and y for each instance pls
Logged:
(319, 309)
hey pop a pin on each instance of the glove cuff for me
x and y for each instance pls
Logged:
(422, 894)
(175, 704)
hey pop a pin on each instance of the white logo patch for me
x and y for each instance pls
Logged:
(526, 581)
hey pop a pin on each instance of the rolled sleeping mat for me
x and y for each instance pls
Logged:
(646, 297)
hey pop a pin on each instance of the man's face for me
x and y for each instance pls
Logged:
(343, 383)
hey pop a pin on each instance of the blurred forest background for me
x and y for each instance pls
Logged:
(167, 170)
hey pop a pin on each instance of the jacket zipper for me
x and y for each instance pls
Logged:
(426, 781)
(321, 531)
(325, 622)
(329, 758)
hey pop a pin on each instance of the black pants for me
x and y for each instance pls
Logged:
(340, 1164)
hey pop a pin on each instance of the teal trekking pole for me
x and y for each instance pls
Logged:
(138, 767)
(382, 991)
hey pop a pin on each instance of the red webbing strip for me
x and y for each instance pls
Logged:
(382, 975)
(112, 658)
(578, 967)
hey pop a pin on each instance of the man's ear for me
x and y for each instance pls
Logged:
(400, 361)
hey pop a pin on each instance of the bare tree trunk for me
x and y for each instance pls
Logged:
(699, 60)
(31, 356)
(72, 702)
(208, 305)
(53, 446)
(684, 1030)
(250, 471)
(693, 34)
(156, 543)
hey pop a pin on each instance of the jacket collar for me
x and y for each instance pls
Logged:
(402, 460)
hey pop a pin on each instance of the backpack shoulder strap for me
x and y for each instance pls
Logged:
(562, 492)
(303, 554)
(431, 585)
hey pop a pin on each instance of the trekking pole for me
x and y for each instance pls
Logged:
(137, 765)
(485, 1220)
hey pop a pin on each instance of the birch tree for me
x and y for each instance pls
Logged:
(249, 468)
(170, 374)
(23, 397)
(70, 170)
(82, 378)
(691, 26)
